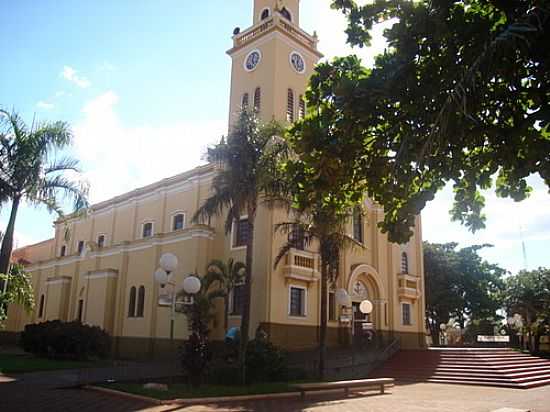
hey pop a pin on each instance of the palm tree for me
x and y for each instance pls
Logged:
(247, 162)
(229, 275)
(199, 313)
(30, 171)
(322, 224)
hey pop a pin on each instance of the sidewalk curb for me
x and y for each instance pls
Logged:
(206, 401)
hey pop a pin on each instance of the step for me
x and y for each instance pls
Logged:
(476, 372)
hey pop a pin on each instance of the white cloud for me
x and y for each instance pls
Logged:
(509, 225)
(71, 75)
(20, 239)
(118, 158)
(44, 105)
(330, 26)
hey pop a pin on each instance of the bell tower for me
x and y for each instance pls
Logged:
(272, 62)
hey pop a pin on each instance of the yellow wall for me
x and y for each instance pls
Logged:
(103, 277)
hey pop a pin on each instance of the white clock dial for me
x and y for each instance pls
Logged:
(252, 60)
(297, 62)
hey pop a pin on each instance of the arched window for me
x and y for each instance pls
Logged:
(101, 241)
(140, 302)
(290, 106)
(63, 251)
(178, 221)
(404, 263)
(257, 99)
(244, 101)
(358, 225)
(286, 14)
(302, 108)
(41, 307)
(265, 14)
(132, 303)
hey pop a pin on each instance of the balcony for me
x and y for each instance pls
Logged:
(275, 22)
(408, 286)
(301, 265)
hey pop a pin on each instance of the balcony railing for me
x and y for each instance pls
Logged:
(302, 265)
(408, 286)
(272, 23)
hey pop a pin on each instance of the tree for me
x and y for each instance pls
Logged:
(460, 285)
(247, 162)
(461, 95)
(196, 353)
(30, 171)
(321, 201)
(16, 289)
(318, 223)
(229, 276)
(528, 294)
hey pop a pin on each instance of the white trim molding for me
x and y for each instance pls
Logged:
(61, 280)
(101, 274)
(130, 246)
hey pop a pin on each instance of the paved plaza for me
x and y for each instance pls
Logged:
(20, 396)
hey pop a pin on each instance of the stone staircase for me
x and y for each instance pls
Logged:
(477, 366)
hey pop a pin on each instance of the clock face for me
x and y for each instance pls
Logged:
(297, 62)
(252, 60)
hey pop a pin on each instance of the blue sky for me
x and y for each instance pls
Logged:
(142, 80)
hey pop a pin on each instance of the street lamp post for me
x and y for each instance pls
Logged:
(191, 285)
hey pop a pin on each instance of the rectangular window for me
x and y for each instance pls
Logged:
(297, 238)
(63, 251)
(80, 247)
(147, 230)
(100, 241)
(297, 301)
(331, 306)
(241, 233)
(80, 310)
(237, 300)
(406, 314)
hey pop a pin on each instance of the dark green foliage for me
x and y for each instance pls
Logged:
(32, 170)
(66, 340)
(528, 294)
(195, 357)
(460, 285)
(247, 176)
(265, 362)
(18, 291)
(462, 96)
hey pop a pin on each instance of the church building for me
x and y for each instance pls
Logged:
(99, 267)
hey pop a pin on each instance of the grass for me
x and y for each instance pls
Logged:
(28, 363)
(184, 391)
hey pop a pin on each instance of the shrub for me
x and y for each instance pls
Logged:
(265, 362)
(195, 357)
(69, 340)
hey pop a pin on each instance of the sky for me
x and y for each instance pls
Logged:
(145, 85)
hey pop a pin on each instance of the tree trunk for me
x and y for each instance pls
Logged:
(245, 319)
(323, 324)
(226, 313)
(7, 241)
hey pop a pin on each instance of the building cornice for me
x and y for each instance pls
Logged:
(160, 187)
(198, 231)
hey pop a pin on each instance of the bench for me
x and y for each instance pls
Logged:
(346, 385)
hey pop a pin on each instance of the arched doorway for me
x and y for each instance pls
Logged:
(365, 283)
